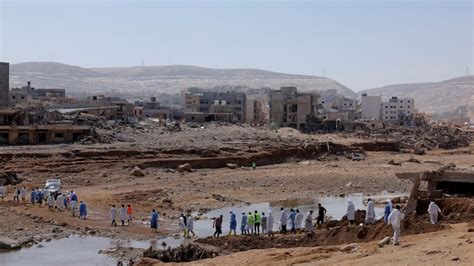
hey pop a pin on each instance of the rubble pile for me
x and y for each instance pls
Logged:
(9, 178)
(419, 138)
(190, 252)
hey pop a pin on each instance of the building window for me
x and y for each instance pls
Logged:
(408, 107)
(58, 135)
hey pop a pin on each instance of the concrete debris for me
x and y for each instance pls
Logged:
(232, 165)
(190, 252)
(420, 139)
(384, 241)
(9, 178)
(137, 172)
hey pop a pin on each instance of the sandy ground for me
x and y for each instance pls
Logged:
(454, 246)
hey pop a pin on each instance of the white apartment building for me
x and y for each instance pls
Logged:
(399, 111)
(370, 107)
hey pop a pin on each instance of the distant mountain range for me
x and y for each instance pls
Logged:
(433, 97)
(150, 80)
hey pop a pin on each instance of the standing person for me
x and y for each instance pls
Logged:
(350, 212)
(183, 226)
(122, 214)
(283, 220)
(154, 220)
(23, 194)
(60, 202)
(299, 220)
(33, 196)
(258, 222)
(264, 223)
(3, 192)
(39, 196)
(243, 224)
(433, 210)
(370, 213)
(50, 202)
(16, 195)
(394, 219)
(129, 213)
(293, 220)
(321, 213)
(270, 224)
(308, 222)
(250, 224)
(254, 165)
(190, 225)
(113, 215)
(73, 203)
(388, 210)
(218, 225)
(233, 223)
(82, 210)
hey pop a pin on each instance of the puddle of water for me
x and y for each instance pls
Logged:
(335, 206)
(76, 250)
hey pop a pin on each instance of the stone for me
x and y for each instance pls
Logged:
(185, 168)
(9, 244)
(137, 172)
(348, 248)
(384, 241)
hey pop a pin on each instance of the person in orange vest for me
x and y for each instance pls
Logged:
(129, 213)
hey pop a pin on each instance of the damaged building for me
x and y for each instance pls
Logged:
(4, 84)
(36, 126)
(153, 109)
(215, 106)
(28, 94)
(289, 108)
(446, 182)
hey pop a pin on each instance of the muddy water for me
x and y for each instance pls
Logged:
(76, 250)
(336, 208)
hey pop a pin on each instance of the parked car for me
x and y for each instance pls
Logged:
(53, 186)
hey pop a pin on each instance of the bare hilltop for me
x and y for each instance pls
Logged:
(160, 79)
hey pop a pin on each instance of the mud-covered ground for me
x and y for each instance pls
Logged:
(289, 165)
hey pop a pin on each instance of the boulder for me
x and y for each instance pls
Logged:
(185, 168)
(9, 244)
(137, 172)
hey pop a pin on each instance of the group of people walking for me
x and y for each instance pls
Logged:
(125, 215)
(256, 223)
(55, 201)
(392, 215)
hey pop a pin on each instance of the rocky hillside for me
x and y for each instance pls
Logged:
(151, 80)
(433, 96)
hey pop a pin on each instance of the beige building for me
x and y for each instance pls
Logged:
(257, 110)
(371, 107)
(288, 108)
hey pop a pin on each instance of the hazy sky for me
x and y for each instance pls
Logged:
(360, 44)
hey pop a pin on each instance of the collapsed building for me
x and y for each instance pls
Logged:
(445, 183)
(36, 126)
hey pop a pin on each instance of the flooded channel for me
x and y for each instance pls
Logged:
(77, 250)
